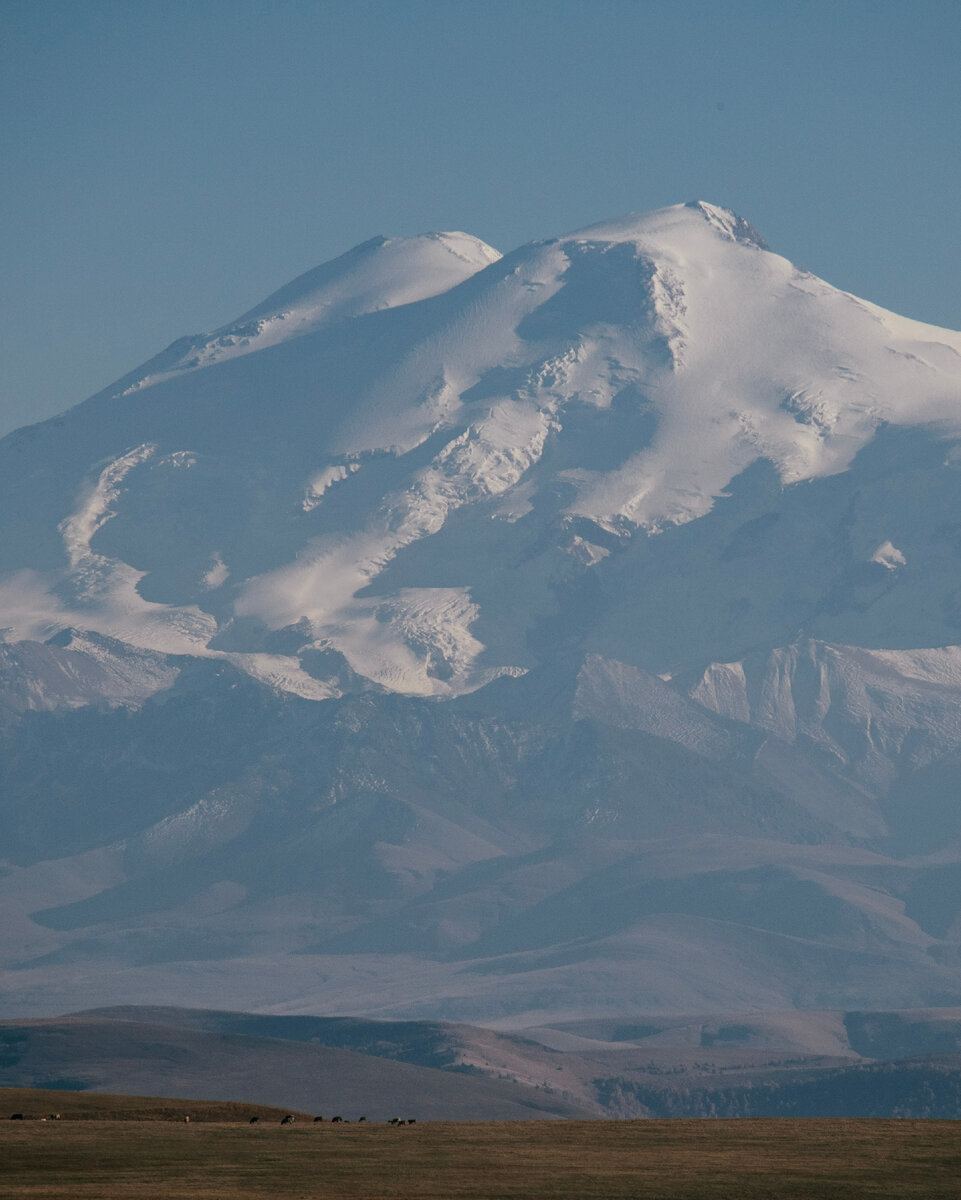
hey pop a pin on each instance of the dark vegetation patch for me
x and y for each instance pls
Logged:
(920, 1089)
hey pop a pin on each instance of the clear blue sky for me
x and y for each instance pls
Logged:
(165, 164)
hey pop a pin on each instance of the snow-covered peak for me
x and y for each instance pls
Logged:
(672, 225)
(379, 273)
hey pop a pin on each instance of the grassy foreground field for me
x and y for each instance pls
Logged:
(578, 1160)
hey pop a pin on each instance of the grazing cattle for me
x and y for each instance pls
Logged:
(54, 1116)
(335, 1119)
(316, 1119)
(411, 1121)
(254, 1120)
(359, 1119)
(186, 1120)
(288, 1119)
(16, 1116)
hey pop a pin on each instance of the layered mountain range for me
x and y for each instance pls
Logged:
(568, 634)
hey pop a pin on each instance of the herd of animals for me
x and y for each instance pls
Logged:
(289, 1120)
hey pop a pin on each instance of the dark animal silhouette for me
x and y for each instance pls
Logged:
(288, 1120)
(16, 1116)
(316, 1119)
(254, 1120)
(336, 1119)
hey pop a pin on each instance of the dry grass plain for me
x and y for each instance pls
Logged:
(136, 1159)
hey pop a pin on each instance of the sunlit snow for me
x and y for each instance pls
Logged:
(576, 395)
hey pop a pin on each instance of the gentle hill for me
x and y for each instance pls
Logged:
(87, 1054)
(43, 1104)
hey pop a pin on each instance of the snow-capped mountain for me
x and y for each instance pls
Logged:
(593, 608)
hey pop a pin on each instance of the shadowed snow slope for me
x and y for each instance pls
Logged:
(669, 526)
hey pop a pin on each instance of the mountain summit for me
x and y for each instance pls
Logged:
(666, 525)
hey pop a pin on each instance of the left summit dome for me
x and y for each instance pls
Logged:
(379, 273)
